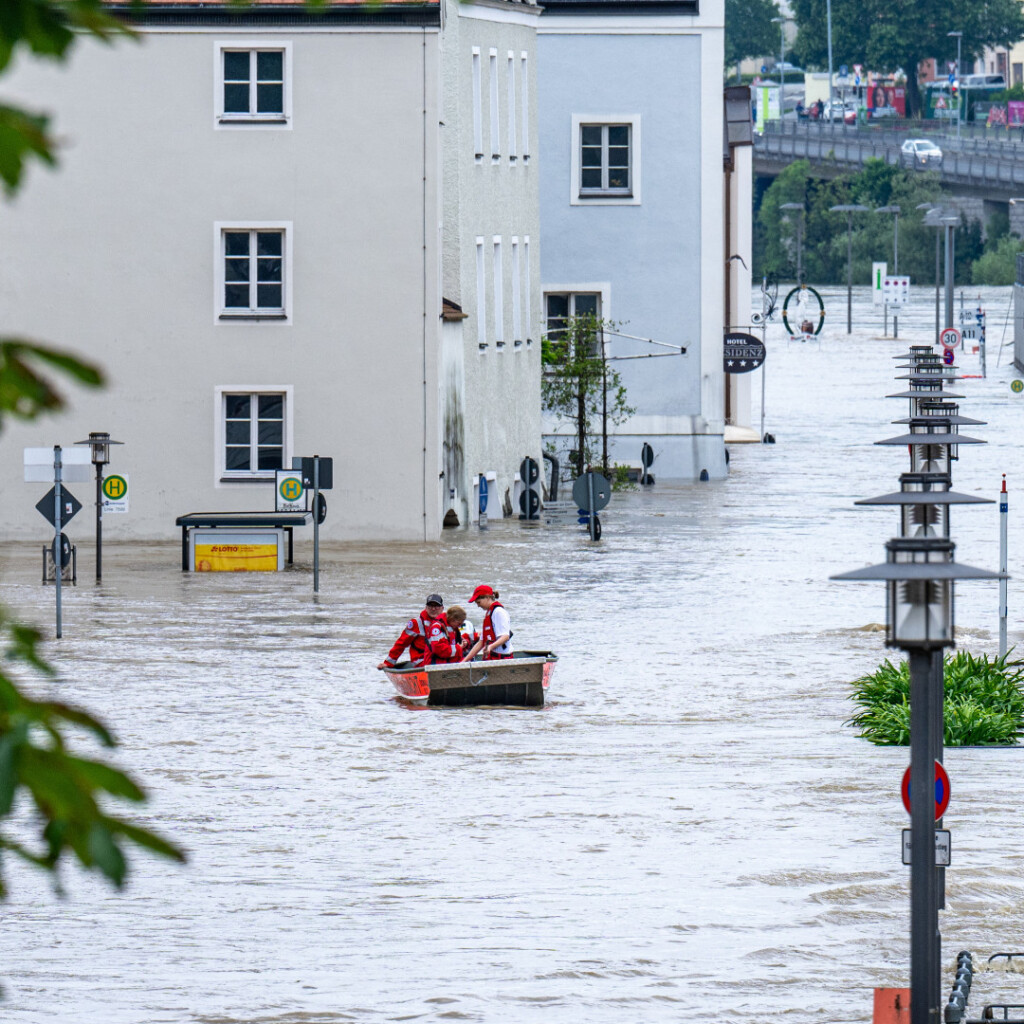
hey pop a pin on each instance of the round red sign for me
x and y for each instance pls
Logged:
(941, 790)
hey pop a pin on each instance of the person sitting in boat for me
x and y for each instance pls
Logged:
(444, 640)
(468, 634)
(414, 636)
(496, 641)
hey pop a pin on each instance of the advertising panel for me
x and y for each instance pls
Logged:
(219, 550)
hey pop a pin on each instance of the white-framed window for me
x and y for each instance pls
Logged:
(253, 85)
(559, 306)
(526, 289)
(253, 431)
(495, 127)
(478, 113)
(510, 77)
(499, 294)
(524, 104)
(481, 297)
(517, 307)
(606, 160)
(253, 271)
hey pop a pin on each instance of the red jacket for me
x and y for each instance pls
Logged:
(489, 635)
(414, 636)
(444, 642)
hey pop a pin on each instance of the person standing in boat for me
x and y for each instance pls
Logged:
(496, 641)
(414, 636)
(444, 640)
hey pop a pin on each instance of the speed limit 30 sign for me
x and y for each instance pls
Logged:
(950, 338)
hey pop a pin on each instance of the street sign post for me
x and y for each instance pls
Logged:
(943, 847)
(592, 492)
(115, 493)
(482, 500)
(896, 289)
(948, 357)
(950, 337)
(529, 498)
(1017, 386)
(941, 790)
(290, 493)
(878, 274)
(70, 506)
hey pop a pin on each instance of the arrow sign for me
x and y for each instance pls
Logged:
(71, 506)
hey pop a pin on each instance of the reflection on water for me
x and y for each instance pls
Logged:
(687, 827)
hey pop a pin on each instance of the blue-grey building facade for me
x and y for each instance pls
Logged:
(631, 199)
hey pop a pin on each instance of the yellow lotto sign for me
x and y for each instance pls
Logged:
(236, 558)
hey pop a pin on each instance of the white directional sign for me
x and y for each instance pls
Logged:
(896, 290)
(115, 493)
(950, 337)
(76, 465)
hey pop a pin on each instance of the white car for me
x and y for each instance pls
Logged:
(920, 153)
(840, 111)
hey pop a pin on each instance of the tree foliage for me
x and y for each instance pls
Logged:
(577, 382)
(53, 800)
(893, 35)
(749, 31)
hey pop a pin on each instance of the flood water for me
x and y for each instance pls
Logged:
(687, 829)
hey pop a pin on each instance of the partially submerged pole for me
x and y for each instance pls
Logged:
(1004, 508)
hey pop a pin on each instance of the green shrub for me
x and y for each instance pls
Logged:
(983, 703)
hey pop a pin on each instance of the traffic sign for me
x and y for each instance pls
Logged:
(115, 493)
(1017, 386)
(941, 790)
(896, 289)
(70, 506)
(948, 357)
(289, 491)
(581, 489)
(950, 337)
(529, 471)
(305, 464)
(483, 494)
(76, 465)
(943, 847)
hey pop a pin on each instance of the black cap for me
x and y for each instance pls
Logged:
(435, 599)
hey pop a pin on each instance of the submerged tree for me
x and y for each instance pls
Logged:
(577, 384)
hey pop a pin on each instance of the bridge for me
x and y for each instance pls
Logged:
(983, 165)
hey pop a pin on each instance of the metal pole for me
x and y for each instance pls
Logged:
(316, 524)
(937, 261)
(604, 407)
(593, 511)
(1004, 508)
(800, 250)
(896, 270)
(949, 275)
(924, 901)
(99, 522)
(764, 365)
(828, 21)
(56, 531)
(960, 89)
(849, 273)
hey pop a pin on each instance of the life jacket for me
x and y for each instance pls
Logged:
(414, 636)
(489, 636)
(444, 642)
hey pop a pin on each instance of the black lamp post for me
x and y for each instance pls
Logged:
(99, 442)
(849, 209)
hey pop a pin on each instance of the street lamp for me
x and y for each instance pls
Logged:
(849, 209)
(99, 442)
(828, 23)
(782, 62)
(894, 209)
(799, 239)
(959, 92)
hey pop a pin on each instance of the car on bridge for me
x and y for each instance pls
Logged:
(841, 110)
(920, 153)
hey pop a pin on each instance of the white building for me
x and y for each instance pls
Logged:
(246, 232)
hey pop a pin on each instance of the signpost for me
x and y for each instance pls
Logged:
(878, 274)
(529, 498)
(941, 790)
(949, 338)
(290, 492)
(943, 847)
(646, 460)
(115, 493)
(316, 472)
(482, 498)
(592, 492)
(896, 290)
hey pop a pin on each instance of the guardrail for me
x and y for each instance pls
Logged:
(974, 163)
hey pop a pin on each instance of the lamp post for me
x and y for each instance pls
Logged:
(799, 239)
(894, 209)
(782, 61)
(99, 442)
(828, 23)
(959, 92)
(932, 212)
(950, 222)
(849, 209)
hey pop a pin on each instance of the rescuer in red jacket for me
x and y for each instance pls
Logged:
(444, 638)
(414, 636)
(497, 628)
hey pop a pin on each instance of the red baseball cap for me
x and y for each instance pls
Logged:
(482, 591)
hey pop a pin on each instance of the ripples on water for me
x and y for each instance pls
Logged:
(686, 829)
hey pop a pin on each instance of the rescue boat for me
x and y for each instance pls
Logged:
(519, 681)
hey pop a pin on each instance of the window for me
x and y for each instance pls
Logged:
(499, 296)
(254, 280)
(495, 131)
(511, 78)
(253, 433)
(524, 89)
(561, 306)
(478, 116)
(481, 297)
(1018, 74)
(517, 308)
(606, 160)
(526, 287)
(253, 85)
